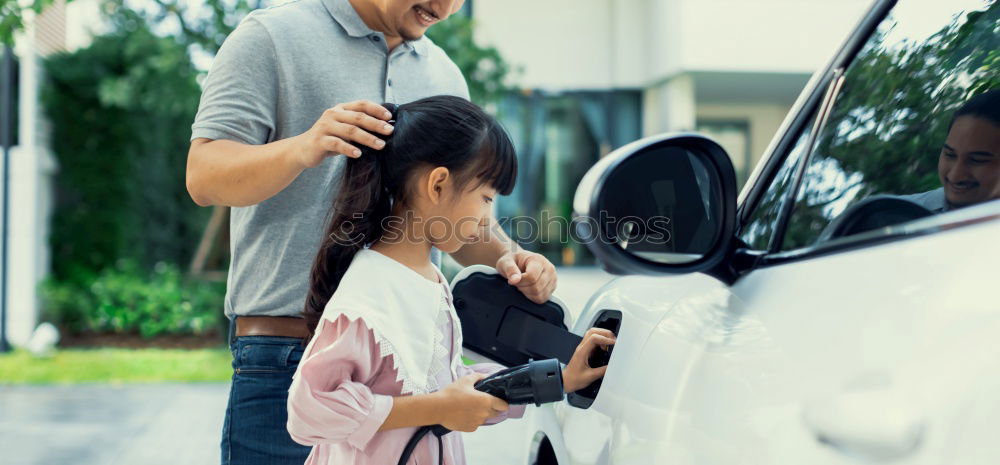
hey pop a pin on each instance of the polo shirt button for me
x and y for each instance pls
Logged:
(389, 82)
(376, 38)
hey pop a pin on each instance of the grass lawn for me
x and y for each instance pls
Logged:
(116, 366)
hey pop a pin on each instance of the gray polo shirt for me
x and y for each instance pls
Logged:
(272, 79)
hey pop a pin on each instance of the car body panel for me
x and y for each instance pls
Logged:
(706, 373)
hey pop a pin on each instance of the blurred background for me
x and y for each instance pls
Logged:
(101, 241)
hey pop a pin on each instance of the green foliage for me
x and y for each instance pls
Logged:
(484, 68)
(12, 14)
(124, 299)
(205, 27)
(121, 111)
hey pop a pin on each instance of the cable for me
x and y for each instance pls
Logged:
(417, 436)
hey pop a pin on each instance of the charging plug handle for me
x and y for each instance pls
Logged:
(537, 382)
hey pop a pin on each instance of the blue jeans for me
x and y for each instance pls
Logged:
(254, 431)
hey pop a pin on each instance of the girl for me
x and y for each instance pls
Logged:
(385, 357)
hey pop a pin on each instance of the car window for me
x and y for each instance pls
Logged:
(762, 223)
(897, 145)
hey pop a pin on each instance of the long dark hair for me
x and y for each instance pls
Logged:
(435, 131)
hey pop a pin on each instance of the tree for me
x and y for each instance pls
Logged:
(12, 13)
(121, 110)
(208, 29)
(485, 70)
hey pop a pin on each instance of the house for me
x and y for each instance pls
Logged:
(598, 74)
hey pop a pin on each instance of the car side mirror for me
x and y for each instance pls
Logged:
(664, 204)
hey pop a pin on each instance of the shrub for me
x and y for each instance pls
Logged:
(121, 111)
(123, 299)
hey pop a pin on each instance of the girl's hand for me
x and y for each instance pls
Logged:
(464, 408)
(578, 374)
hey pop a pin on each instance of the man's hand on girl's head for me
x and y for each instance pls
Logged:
(532, 273)
(339, 128)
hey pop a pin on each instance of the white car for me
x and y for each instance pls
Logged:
(826, 316)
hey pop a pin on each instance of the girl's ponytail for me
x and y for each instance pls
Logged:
(360, 207)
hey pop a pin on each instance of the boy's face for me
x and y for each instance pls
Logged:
(411, 18)
(969, 164)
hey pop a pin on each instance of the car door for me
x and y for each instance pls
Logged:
(852, 346)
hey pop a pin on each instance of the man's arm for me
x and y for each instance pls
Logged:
(226, 172)
(233, 159)
(486, 251)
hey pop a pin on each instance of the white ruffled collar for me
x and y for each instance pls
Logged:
(400, 307)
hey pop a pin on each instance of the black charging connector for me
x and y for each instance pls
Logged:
(537, 382)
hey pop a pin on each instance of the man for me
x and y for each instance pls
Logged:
(969, 163)
(290, 90)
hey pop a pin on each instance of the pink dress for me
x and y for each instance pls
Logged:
(345, 391)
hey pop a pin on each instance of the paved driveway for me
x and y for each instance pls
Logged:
(102, 424)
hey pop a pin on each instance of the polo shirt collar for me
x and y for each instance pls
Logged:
(349, 19)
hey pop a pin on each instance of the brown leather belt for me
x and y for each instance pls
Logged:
(278, 326)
